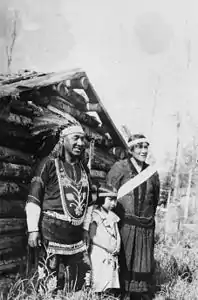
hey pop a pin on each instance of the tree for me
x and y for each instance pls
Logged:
(12, 35)
(155, 98)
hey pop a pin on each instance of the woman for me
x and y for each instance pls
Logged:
(105, 242)
(136, 211)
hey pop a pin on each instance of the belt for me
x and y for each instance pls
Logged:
(62, 217)
(56, 215)
(139, 221)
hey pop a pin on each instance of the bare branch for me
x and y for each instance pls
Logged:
(10, 48)
(188, 50)
(155, 97)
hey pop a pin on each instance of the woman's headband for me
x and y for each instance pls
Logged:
(137, 141)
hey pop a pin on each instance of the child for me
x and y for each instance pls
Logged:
(105, 242)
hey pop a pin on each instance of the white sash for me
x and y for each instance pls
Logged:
(131, 184)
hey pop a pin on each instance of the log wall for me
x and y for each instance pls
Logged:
(28, 131)
(16, 161)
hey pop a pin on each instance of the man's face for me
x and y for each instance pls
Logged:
(140, 151)
(74, 143)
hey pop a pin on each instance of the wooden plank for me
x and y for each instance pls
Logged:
(61, 90)
(55, 99)
(12, 252)
(79, 115)
(35, 83)
(19, 143)
(8, 117)
(77, 100)
(11, 240)
(25, 108)
(71, 95)
(105, 118)
(16, 137)
(16, 119)
(12, 189)
(12, 264)
(13, 130)
(73, 99)
(15, 172)
(12, 225)
(15, 156)
(10, 208)
(52, 78)
(93, 107)
(98, 174)
(78, 83)
(12, 78)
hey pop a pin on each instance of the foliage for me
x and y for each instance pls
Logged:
(26, 289)
(176, 264)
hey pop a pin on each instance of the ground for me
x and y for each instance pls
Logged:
(176, 272)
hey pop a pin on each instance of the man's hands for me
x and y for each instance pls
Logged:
(34, 239)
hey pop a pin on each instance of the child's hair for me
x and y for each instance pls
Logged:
(100, 201)
(103, 192)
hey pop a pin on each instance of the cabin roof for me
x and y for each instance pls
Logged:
(13, 85)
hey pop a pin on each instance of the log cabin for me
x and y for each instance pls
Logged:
(32, 106)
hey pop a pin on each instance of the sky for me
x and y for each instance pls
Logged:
(140, 55)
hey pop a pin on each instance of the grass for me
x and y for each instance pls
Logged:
(176, 263)
(25, 289)
(176, 272)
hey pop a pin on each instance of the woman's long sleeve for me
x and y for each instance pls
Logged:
(115, 175)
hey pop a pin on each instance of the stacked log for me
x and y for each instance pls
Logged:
(16, 160)
(29, 126)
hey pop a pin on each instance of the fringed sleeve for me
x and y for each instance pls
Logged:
(38, 182)
(35, 196)
(88, 218)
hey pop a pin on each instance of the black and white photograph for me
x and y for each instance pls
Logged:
(98, 150)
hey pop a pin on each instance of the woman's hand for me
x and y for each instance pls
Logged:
(34, 239)
(86, 237)
(115, 252)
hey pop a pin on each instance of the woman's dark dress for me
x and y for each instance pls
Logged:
(136, 211)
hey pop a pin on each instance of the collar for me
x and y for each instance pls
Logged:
(135, 164)
(108, 218)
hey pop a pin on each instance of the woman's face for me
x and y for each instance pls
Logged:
(109, 203)
(140, 151)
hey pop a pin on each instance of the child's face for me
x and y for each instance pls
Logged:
(110, 203)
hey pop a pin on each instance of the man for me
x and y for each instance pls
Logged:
(59, 211)
(136, 210)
